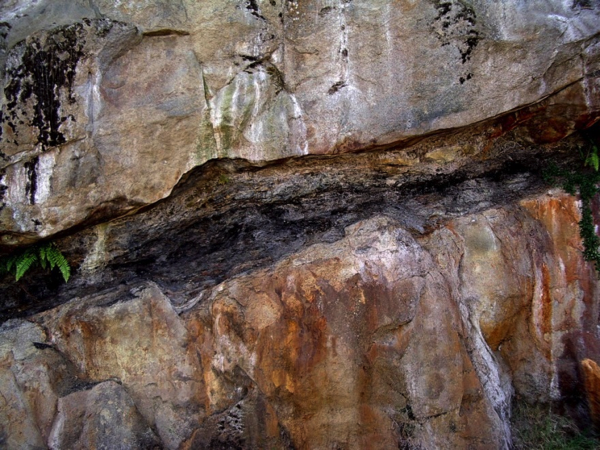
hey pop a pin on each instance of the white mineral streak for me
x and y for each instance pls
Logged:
(298, 118)
(495, 382)
(44, 172)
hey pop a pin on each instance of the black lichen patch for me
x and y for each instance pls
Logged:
(336, 87)
(46, 68)
(31, 186)
(463, 79)
(455, 24)
(585, 4)
(3, 189)
(4, 28)
(253, 8)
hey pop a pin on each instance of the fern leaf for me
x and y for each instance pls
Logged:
(56, 259)
(10, 262)
(593, 160)
(42, 256)
(24, 261)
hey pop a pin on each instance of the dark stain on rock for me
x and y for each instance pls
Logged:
(45, 69)
(336, 87)
(463, 79)
(326, 10)
(4, 28)
(456, 24)
(585, 4)
(31, 186)
(3, 189)
(165, 32)
(252, 6)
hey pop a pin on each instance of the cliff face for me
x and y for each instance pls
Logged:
(108, 104)
(313, 224)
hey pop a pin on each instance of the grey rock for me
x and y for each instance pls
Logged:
(103, 418)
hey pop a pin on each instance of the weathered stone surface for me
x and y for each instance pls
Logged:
(141, 343)
(33, 377)
(327, 225)
(338, 338)
(378, 339)
(107, 104)
(103, 417)
(591, 376)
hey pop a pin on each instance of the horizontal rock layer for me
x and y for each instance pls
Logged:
(105, 105)
(293, 224)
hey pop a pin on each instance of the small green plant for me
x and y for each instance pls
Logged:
(47, 255)
(223, 179)
(585, 183)
(539, 428)
(592, 159)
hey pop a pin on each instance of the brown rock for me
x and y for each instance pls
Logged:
(591, 377)
(141, 342)
(33, 377)
(377, 339)
(351, 342)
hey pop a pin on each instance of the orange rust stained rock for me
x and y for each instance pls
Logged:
(571, 274)
(375, 339)
(545, 301)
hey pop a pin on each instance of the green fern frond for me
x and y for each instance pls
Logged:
(47, 255)
(42, 256)
(56, 259)
(24, 261)
(10, 262)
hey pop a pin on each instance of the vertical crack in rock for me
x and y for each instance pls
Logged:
(487, 367)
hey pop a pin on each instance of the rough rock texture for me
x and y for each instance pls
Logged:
(308, 225)
(376, 340)
(106, 104)
(591, 378)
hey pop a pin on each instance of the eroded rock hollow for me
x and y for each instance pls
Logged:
(294, 224)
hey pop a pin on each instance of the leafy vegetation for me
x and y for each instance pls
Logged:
(539, 428)
(47, 255)
(585, 183)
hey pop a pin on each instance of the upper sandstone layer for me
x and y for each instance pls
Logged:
(106, 104)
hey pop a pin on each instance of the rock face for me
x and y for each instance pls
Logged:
(293, 225)
(376, 340)
(106, 105)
